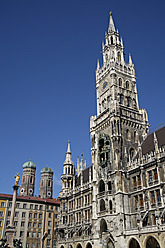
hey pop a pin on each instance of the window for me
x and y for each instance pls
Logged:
(27, 245)
(38, 235)
(155, 174)
(158, 195)
(152, 194)
(129, 102)
(33, 234)
(39, 225)
(49, 223)
(31, 206)
(102, 205)
(120, 82)
(30, 215)
(36, 207)
(48, 241)
(2, 204)
(24, 206)
(51, 207)
(49, 231)
(56, 216)
(1, 213)
(141, 200)
(15, 223)
(38, 245)
(127, 85)
(56, 208)
(119, 56)
(23, 214)
(50, 215)
(29, 224)
(40, 207)
(9, 213)
(33, 245)
(21, 233)
(22, 223)
(150, 176)
(28, 234)
(17, 206)
(16, 214)
(8, 222)
(134, 181)
(34, 224)
(40, 216)
(121, 99)
(139, 180)
(0, 223)
(10, 204)
(35, 215)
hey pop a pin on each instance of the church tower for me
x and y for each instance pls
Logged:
(28, 179)
(67, 176)
(46, 183)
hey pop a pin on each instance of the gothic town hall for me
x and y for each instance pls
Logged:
(119, 201)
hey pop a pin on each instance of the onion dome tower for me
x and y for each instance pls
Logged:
(46, 183)
(67, 176)
(28, 179)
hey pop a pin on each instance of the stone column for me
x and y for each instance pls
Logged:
(11, 228)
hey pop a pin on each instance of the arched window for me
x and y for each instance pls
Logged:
(49, 183)
(65, 170)
(152, 243)
(79, 246)
(128, 134)
(101, 186)
(103, 226)
(127, 85)
(110, 206)
(134, 244)
(31, 179)
(131, 153)
(102, 205)
(119, 56)
(89, 245)
(120, 82)
(109, 186)
(69, 170)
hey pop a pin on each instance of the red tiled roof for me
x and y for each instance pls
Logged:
(35, 199)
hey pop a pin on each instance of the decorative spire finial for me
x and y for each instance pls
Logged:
(111, 24)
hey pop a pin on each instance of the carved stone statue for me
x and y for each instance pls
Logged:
(17, 177)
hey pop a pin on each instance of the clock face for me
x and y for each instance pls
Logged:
(104, 85)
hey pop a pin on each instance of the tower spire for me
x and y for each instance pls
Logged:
(68, 159)
(111, 24)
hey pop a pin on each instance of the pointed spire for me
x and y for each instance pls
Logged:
(130, 59)
(111, 23)
(98, 64)
(68, 159)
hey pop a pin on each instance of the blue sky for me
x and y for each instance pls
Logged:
(48, 54)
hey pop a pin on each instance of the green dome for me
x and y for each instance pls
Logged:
(47, 170)
(29, 164)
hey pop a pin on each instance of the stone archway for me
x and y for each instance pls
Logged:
(152, 243)
(79, 245)
(89, 245)
(134, 244)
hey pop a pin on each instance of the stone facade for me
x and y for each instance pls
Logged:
(33, 217)
(119, 200)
